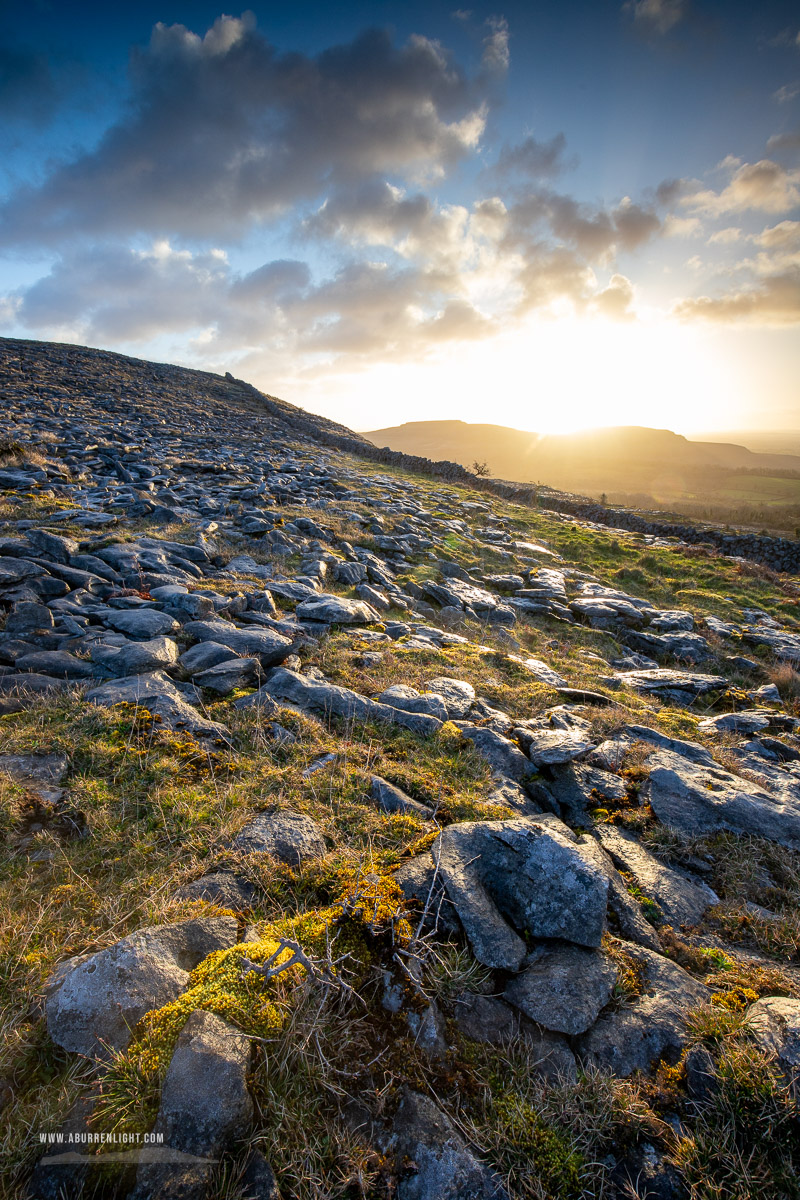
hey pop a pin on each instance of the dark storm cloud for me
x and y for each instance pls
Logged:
(224, 130)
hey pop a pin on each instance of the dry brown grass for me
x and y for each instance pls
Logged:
(786, 679)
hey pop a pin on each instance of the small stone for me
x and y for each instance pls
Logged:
(392, 799)
(288, 836)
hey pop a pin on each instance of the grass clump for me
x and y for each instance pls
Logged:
(744, 1138)
(548, 1140)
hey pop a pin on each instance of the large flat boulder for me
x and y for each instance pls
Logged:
(156, 693)
(681, 686)
(140, 623)
(336, 610)
(266, 645)
(327, 699)
(136, 658)
(699, 799)
(682, 900)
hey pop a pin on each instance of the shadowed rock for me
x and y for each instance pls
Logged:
(433, 1158)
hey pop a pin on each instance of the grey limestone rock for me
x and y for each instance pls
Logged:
(266, 645)
(96, 1002)
(745, 722)
(140, 623)
(326, 699)
(205, 1107)
(774, 1022)
(156, 693)
(136, 658)
(203, 655)
(29, 619)
(548, 749)
(392, 799)
(421, 883)
(699, 799)
(654, 1025)
(289, 836)
(410, 700)
(526, 874)
(564, 988)
(683, 686)
(58, 663)
(222, 888)
(457, 695)
(682, 900)
(231, 673)
(433, 1160)
(336, 610)
(503, 756)
(204, 1099)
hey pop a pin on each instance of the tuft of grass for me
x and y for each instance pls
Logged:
(450, 970)
(744, 1141)
(299, 1085)
(549, 1140)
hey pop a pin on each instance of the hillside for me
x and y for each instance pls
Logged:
(647, 467)
(369, 833)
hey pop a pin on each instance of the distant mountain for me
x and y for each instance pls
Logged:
(624, 459)
(763, 441)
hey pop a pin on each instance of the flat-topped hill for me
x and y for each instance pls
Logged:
(631, 465)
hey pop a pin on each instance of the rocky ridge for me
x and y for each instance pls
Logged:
(207, 563)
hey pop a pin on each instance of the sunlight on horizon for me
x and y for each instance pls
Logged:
(555, 376)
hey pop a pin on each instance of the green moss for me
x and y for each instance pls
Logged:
(545, 1152)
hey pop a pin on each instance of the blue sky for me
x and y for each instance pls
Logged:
(545, 215)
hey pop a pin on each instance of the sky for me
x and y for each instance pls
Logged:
(552, 216)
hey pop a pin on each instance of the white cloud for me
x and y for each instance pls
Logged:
(657, 17)
(787, 93)
(765, 186)
(775, 302)
(784, 235)
(616, 300)
(496, 57)
(724, 237)
(683, 227)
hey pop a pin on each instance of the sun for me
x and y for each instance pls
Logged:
(549, 376)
